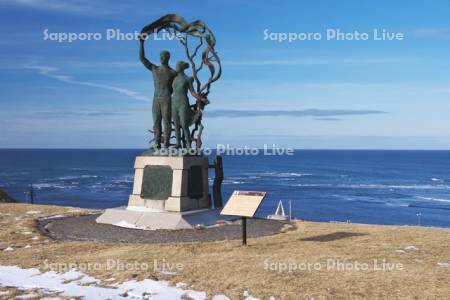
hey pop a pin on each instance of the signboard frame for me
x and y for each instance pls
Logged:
(243, 204)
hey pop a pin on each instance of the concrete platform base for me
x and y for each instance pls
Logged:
(171, 183)
(153, 219)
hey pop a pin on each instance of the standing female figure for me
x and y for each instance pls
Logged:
(182, 114)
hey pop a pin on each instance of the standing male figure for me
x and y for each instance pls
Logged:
(163, 76)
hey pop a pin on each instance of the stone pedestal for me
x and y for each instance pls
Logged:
(173, 184)
(169, 192)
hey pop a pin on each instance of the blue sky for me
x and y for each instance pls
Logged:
(304, 94)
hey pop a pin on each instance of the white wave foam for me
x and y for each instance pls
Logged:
(434, 199)
(379, 186)
(226, 181)
(310, 185)
(397, 204)
(48, 186)
(284, 174)
(292, 174)
(400, 187)
(437, 179)
(72, 177)
(297, 174)
(124, 179)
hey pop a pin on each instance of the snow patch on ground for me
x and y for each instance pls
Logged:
(75, 210)
(220, 297)
(78, 277)
(248, 296)
(444, 264)
(125, 224)
(70, 284)
(52, 217)
(26, 296)
(410, 248)
(33, 212)
(9, 249)
(221, 223)
(167, 273)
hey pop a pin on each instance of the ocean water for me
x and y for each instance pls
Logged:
(376, 187)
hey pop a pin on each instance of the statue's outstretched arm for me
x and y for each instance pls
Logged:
(143, 59)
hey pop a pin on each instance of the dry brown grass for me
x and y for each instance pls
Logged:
(230, 269)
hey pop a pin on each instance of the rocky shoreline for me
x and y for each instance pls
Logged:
(5, 198)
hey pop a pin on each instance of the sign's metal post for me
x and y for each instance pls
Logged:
(244, 231)
(243, 204)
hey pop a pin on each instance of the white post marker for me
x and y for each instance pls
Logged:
(243, 204)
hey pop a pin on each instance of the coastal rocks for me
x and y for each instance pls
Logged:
(5, 198)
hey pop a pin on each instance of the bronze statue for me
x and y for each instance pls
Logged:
(163, 76)
(165, 81)
(182, 114)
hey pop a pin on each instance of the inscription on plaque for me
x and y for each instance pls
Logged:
(157, 182)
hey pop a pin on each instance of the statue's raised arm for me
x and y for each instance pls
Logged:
(142, 57)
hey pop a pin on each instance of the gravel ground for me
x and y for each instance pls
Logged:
(84, 228)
